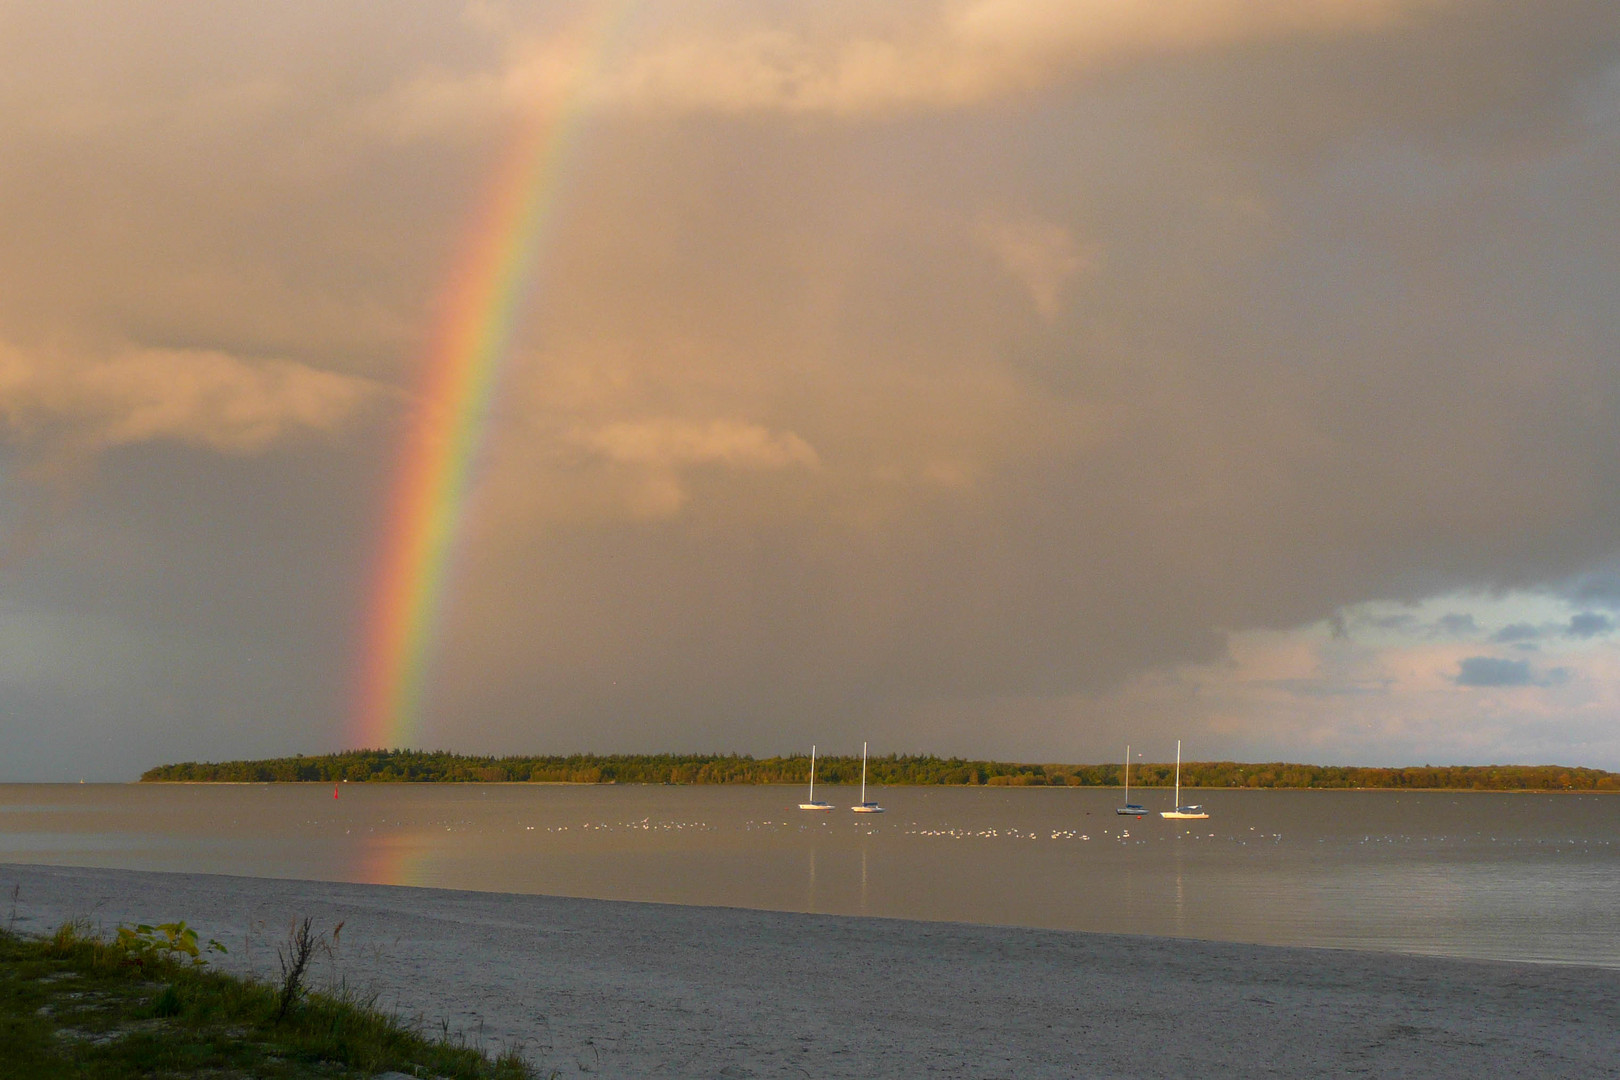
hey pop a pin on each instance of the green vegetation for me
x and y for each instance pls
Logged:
(419, 766)
(147, 1005)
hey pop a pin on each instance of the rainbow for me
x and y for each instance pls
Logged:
(396, 859)
(461, 373)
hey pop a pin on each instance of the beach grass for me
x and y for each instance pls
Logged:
(76, 1004)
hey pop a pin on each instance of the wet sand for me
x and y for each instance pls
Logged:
(613, 989)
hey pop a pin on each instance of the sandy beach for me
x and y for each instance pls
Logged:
(615, 989)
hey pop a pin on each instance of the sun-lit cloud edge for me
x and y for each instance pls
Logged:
(944, 55)
(64, 401)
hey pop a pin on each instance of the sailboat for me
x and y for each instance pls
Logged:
(1130, 809)
(1182, 812)
(811, 803)
(864, 807)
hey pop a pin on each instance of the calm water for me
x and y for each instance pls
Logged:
(1526, 877)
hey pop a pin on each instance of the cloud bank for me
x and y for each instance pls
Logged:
(956, 54)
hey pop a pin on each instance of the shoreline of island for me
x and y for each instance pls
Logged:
(1054, 789)
(893, 770)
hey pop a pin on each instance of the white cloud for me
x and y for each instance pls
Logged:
(1041, 255)
(535, 81)
(201, 397)
(675, 443)
(654, 454)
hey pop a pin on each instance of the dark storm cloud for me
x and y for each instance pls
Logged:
(1493, 671)
(947, 381)
(1588, 624)
(1457, 625)
(1514, 632)
(1600, 588)
(1399, 621)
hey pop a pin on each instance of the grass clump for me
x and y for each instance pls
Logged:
(77, 1005)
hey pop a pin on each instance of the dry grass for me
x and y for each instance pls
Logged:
(77, 1005)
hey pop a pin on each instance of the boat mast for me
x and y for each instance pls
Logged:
(1178, 774)
(812, 772)
(1127, 774)
(863, 774)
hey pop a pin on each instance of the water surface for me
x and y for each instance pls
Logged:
(1506, 876)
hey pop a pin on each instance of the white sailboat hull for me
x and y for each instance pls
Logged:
(1182, 813)
(813, 803)
(864, 807)
(1130, 809)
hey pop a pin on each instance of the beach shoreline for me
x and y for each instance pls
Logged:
(620, 988)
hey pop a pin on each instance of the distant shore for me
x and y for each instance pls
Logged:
(843, 784)
(893, 770)
(614, 989)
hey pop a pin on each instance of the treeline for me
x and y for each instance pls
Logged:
(419, 766)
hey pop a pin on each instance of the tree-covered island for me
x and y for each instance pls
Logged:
(420, 766)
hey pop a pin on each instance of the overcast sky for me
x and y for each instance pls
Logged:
(1010, 378)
